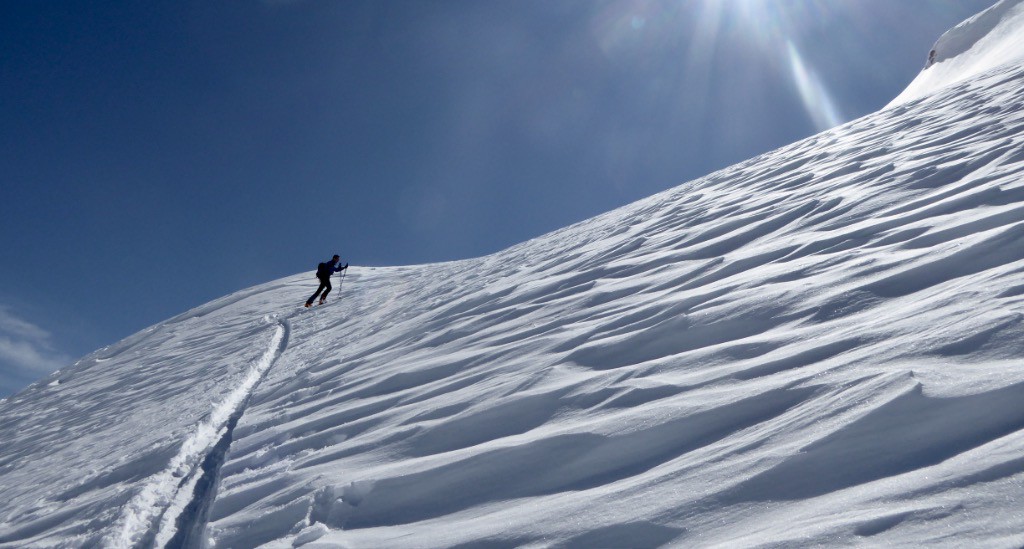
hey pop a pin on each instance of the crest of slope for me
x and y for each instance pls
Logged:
(991, 38)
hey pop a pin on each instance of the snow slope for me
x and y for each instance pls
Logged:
(992, 38)
(821, 345)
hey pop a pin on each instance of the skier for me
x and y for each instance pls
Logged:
(323, 273)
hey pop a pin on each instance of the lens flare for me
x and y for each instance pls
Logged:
(770, 25)
(815, 96)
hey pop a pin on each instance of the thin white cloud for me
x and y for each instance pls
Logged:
(12, 325)
(26, 352)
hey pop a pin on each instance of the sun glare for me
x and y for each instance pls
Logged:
(650, 34)
(770, 25)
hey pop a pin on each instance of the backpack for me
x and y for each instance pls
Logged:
(323, 270)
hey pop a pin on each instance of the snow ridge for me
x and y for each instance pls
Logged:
(165, 497)
(983, 42)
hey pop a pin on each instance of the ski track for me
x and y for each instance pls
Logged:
(152, 516)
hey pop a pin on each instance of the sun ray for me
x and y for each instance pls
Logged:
(815, 96)
(771, 25)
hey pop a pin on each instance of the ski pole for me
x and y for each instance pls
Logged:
(342, 283)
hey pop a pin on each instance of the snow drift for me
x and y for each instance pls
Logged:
(992, 38)
(821, 345)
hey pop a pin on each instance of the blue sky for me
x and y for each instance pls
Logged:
(156, 155)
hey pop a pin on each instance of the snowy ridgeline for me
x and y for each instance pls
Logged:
(822, 345)
(983, 42)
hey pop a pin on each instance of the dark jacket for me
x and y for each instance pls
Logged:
(326, 269)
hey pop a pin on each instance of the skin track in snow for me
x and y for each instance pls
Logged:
(196, 465)
(190, 527)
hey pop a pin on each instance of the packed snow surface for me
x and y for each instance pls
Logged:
(821, 345)
(992, 38)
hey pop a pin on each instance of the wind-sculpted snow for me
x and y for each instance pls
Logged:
(823, 345)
